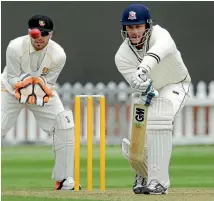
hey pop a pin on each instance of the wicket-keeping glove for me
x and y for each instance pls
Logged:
(41, 91)
(24, 89)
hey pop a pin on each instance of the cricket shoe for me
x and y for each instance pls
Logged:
(139, 184)
(155, 188)
(66, 184)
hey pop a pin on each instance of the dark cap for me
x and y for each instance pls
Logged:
(41, 22)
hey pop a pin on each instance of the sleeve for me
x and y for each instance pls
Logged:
(13, 63)
(124, 67)
(54, 72)
(163, 45)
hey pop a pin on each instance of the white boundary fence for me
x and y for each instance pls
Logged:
(194, 125)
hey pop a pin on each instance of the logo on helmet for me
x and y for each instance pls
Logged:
(41, 23)
(132, 15)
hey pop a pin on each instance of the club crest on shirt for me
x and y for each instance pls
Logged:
(132, 15)
(45, 71)
(41, 23)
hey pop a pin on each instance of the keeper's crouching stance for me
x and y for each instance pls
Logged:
(147, 58)
(33, 66)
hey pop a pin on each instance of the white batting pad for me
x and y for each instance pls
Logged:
(139, 167)
(160, 115)
(159, 140)
(64, 146)
(159, 154)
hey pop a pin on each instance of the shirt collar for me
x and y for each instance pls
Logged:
(32, 49)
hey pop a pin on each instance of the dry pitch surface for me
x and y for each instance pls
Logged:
(179, 194)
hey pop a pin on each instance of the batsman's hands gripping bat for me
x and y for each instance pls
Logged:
(139, 81)
(41, 91)
(141, 84)
(24, 89)
(149, 97)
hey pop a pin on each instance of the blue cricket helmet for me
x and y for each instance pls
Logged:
(136, 14)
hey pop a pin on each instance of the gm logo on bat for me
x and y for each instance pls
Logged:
(139, 116)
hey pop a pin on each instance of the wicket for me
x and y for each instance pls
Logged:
(89, 140)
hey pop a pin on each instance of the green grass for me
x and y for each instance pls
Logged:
(30, 168)
(21, 198)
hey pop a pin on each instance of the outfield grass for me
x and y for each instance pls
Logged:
(26, 173)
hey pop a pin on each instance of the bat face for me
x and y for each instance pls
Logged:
(138, 135)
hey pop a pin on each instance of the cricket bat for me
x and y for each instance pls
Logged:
(138, 135)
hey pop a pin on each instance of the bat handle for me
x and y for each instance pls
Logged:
(149, 97)
(149, 88)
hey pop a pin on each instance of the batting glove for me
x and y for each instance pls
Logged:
(149, 98)
(139, 81)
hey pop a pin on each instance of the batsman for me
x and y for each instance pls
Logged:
(150, 62)
(33, 64)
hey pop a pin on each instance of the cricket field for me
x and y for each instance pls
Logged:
(26, 176)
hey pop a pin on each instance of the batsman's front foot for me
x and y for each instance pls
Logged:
(155, 188)
(66, 184)
(139, 184)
